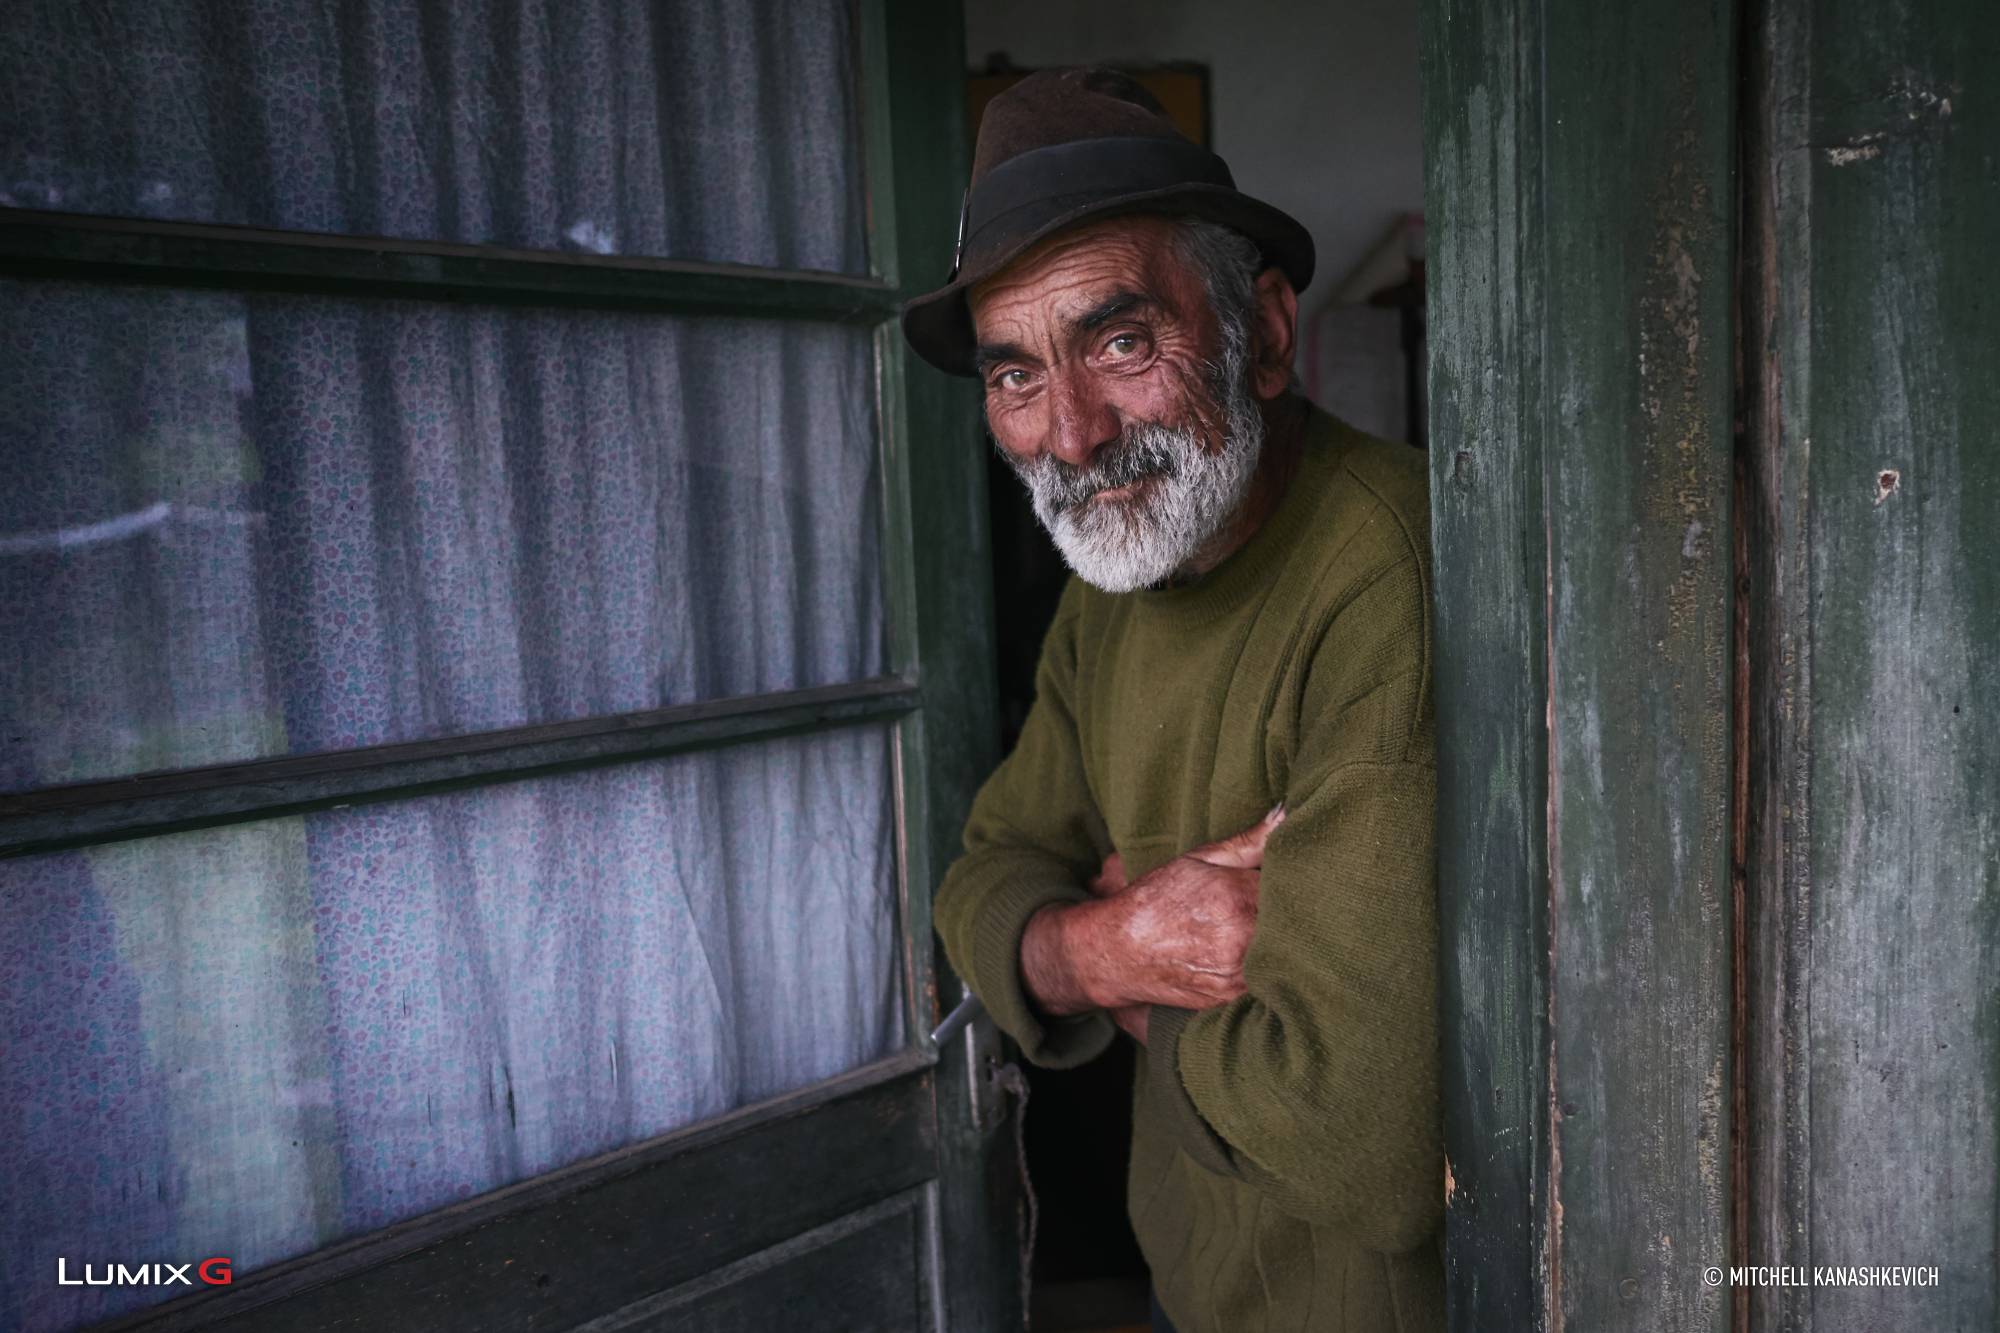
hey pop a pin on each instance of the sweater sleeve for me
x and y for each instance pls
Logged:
(1319, 1086)
(1029, 842)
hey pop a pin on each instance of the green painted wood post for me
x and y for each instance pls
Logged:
(1873, 502)
(1579, 195)
(942, 608)
(1481, 148)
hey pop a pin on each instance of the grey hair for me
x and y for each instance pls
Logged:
(1229, 263)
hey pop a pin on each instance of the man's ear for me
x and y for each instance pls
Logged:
(1276, 333)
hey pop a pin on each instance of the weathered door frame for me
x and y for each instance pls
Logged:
(1714, 322)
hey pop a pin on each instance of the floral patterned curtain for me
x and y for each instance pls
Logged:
(235, 526)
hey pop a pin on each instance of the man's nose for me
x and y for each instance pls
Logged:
(1080, 421)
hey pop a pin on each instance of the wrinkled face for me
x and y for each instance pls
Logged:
(1119, 397)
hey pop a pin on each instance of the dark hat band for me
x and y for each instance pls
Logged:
(1048, 178)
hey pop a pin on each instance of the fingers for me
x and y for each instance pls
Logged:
(1134, 1019)
(1244, 850)
(1206, 987)
(1186, 987)
(1211, 991)
(1110, 878)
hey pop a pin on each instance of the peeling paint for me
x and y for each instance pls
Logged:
(1923, 109)
(1711, 1134)
(1918, 100)
(1861, 148)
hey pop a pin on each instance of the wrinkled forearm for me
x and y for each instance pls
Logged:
(983, 911)
(1071, 957)
(1051, 974)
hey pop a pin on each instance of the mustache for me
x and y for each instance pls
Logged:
(1144, 449)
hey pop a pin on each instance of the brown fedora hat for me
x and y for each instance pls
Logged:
(1070, 145)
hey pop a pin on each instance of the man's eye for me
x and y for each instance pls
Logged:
(1124, 344)
(1012, 379)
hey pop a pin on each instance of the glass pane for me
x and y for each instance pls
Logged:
(243, 526)
(256, 1040)
(722, 130)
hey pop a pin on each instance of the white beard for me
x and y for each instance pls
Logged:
(1191, 492)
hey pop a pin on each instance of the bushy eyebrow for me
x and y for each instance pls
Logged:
(1110, 308)
(1123, 302)
(990, 355)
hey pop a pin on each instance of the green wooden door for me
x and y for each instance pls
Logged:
(1711, 391)
(1871, 499)
(879, 1198)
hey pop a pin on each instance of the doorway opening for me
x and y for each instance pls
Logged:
(1320, 115)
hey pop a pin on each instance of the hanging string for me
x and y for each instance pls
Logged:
(1015, 1083)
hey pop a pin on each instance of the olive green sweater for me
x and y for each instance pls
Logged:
(1287, 1166)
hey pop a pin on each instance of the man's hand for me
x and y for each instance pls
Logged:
(1109, 882)
(1174, 936)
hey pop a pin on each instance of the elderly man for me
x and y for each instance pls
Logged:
(1216, 832)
